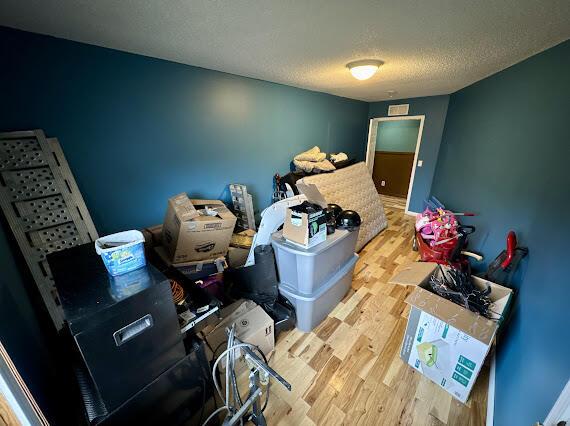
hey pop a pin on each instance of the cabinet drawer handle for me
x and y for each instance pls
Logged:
(132, 330)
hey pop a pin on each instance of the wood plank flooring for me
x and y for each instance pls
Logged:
(7, 415)
(393, 202)
(348, 371)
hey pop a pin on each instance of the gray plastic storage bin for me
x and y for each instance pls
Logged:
(306, 270)
(312, 309)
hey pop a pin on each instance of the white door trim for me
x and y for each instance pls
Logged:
(371, 147)
(561, 407)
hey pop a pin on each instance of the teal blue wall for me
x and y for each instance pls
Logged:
(505, 155)
(397, 136)
(137, 130)
(434, 108)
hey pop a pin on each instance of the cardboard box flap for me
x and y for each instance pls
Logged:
(223, 212)
(475, 325)
(413, 274)
(312, 193)
(183, 207)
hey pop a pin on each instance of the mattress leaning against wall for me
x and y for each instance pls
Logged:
(352, 188)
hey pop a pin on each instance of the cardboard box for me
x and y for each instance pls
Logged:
(306, 230)
(237, 256)
(253, 325)
(193, 269)
(196, 229)
(303, 229)
(152, 236)
(444, 341)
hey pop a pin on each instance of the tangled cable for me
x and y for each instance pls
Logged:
(458, 287)
(232, 400)
(177, 291)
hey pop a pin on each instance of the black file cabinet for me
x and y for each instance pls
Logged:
(125, 328)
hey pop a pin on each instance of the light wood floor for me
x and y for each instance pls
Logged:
(348, 370)
(393, 202)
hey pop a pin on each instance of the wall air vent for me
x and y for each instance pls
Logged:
(401, 109)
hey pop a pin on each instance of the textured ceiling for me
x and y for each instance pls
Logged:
(429, 47)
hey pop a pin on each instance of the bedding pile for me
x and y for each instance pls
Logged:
(313, 161)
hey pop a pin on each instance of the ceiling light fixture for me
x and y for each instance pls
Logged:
(363, 70)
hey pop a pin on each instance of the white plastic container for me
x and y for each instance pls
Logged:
(125, 254)
(312, 309)
(306, 270)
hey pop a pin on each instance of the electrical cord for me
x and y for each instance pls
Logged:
(219, 410)
(234, 378)
(268, 382)
(216, 384)
(231, 379)
(458, 287)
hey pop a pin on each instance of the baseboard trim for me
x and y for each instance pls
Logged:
(491, 392)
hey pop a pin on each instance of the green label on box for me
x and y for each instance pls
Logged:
(420, 334)
(460, 379)
(466, 362)
(445, 330)
(460, 369)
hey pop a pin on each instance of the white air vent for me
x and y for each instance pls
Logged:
(402, 109)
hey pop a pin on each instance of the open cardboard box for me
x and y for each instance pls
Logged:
(444, 341)
(189, 234)
(253, 326)
(304, 229)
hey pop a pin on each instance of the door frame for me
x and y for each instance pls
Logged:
(371, 147)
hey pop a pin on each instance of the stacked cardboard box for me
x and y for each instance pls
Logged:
(196, 230)
(195, 236)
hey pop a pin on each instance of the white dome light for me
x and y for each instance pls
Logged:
(363, 70)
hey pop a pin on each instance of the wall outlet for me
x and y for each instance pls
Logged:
(383, 183)
(420, 163)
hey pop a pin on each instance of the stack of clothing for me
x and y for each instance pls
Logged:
(315, 161)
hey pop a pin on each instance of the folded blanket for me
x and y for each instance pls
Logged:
(313, 154)
(314, 166)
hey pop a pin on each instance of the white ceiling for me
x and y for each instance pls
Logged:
(429, 47)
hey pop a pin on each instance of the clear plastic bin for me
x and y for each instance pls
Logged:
(312, 309)
(306, 270)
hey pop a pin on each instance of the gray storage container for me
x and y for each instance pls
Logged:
(306, 270)
(312, 309)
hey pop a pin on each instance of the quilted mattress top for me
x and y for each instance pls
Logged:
(352, 188)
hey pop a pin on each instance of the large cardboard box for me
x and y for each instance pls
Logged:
(196, 229)
(446, 342)
(237, 256)
(152, 236)
(196, 269)
(253, 325)
(306, 229)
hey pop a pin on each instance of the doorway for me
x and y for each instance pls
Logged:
(392, 156)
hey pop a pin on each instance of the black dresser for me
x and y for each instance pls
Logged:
(126, 333)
